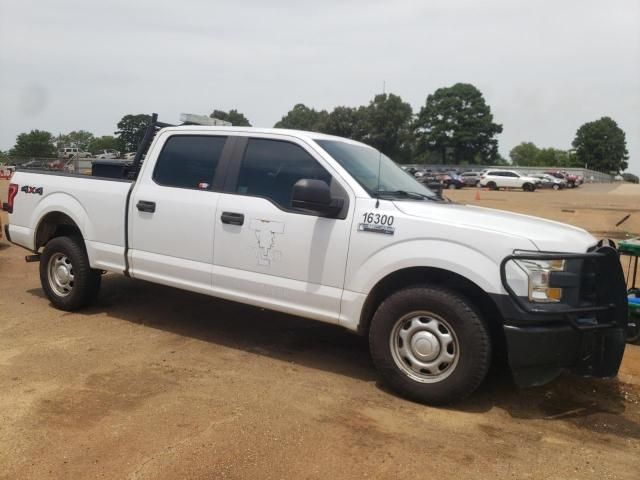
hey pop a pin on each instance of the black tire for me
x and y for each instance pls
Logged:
(492, 186)
(452, 186)
(471, 346)
(556, 186)
(528, 187)
(83, 283)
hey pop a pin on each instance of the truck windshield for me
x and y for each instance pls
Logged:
(376, 172)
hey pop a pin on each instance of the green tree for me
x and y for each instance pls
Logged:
(555, 157)
(301, 117)
(499, 161)
(386, 125)
(78, 138)
(233, 116)
(345, 122)
(131, 130)
(601, 145)
(525, 154)
(106, 142)
(36, 143)
(457, 123)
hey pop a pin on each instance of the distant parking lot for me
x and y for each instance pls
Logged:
(158, 383)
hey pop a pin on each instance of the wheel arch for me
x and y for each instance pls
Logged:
(58, 213)
(54, 224)
(437, 277)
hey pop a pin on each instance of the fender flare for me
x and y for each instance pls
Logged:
(60, 202)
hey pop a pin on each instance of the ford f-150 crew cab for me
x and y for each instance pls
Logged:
(330, 229)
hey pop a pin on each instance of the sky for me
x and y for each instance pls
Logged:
(544, 67)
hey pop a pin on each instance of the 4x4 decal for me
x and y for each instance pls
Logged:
(35, 190)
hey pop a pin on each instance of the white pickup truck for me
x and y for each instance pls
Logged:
(330, 229)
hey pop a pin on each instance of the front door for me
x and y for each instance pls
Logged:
(172, 212)
(266, 252)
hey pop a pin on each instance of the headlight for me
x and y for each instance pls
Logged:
(538, 272)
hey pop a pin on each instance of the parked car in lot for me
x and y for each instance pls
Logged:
(59, 164)
(34, 164)
(331, 229)
(71, 152)
(549, 181)
(129, 156)
(573, 181)
(450, 180)
(495, 179)
(420, 173)
(470, 179)
(409, 170)
(107, 154)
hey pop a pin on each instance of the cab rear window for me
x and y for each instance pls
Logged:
(189, 161)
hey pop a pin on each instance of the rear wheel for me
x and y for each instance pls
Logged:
(492, 186)
(452, 186)
(556, 186)
(430, 344)
(65, 274)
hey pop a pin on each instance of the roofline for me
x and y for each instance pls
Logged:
(303, 134)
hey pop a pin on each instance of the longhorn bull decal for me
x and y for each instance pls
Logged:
(265, 232)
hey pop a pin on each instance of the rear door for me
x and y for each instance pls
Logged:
(172, 211)
(266, 252)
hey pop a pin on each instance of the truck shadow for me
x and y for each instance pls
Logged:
(596, 405)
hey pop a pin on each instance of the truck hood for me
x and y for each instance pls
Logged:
(546, 235)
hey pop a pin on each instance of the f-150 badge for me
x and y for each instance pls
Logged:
(266, 231)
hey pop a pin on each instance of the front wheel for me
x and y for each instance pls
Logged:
(65, 274)
(430, 344)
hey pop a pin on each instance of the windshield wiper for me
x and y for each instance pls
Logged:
(406, 194)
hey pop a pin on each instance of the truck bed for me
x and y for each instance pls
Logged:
(95, 204)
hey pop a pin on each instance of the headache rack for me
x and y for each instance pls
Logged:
(152, 129)
(130, 170)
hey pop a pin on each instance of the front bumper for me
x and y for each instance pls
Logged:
(585, 333)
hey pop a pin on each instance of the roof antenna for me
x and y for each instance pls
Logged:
(378, 188)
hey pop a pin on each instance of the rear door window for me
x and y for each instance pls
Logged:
(189, 161)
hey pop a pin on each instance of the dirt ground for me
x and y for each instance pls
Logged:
(156, 383)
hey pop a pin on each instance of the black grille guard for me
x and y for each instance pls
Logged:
(611, 305)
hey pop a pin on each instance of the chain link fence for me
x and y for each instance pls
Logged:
(73, 164)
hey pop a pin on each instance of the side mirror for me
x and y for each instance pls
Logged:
(314, 196)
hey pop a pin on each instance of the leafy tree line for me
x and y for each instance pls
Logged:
(599, 145)
(454, 126)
